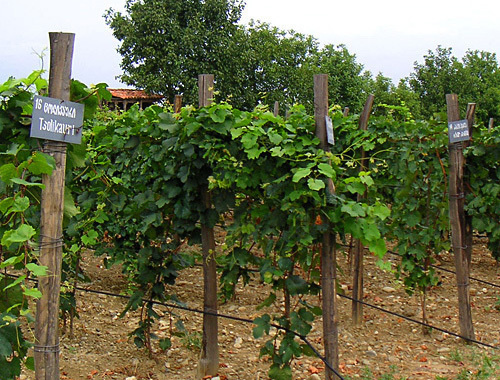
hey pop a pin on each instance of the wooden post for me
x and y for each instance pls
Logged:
(357, 278)
(209, 357)
(457, 222)
(471, 112)
(328, 262)
(46, 348)
(276, 108)
(177, 103)
(491, 124)
(469, 232)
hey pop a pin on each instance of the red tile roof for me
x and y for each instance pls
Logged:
(128, 94)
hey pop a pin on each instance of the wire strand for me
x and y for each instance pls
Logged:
(420, 322)
(225, 316)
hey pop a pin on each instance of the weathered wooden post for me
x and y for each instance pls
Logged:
(209, 357)
(471, 111)
(457, 215)
(328, 262)
(276, 110)
(46, 348)
(177, 103)
(357, 278)
(491, 124)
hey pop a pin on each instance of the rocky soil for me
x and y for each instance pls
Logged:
(101, 349)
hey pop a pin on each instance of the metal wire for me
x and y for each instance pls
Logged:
(47, 349)
(50, 242)
(421, 323)
(54, 147)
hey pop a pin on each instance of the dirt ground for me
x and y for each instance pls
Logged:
(100, 348)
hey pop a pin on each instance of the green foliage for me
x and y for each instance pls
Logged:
(272, 65)
(482, 366)
(190, 340)
(407, 166)
(162, 161)
(147, 171)
(417, 184)
(475, 79)
(21, 168)
(166, 44)
(483, 177)
(22, 165)
(134, 195)
(13, 347)
(348, 84)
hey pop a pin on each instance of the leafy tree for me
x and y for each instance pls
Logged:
(165, 44)
(348, 84)
(483, 83)
(274, 65)
(437, 76)
(384, 88)
(385, 93)
(475, 79)
(409, 98)
(281, 64)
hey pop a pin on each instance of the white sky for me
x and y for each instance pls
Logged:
(386, 36)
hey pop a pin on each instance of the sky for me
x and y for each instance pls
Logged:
(387, 36)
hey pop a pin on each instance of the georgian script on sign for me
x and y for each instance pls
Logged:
(58, 120)
(458, 131)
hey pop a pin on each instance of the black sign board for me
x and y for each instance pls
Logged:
(58, 120)
(458, 131)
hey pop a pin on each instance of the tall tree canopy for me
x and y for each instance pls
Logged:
(274, 65)
(348, 82)
(475, 79)
(165, 44)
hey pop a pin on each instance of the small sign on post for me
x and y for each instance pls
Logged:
(458, 131)
(57, 120)
(329, 130)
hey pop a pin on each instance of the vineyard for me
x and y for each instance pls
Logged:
(254, 197)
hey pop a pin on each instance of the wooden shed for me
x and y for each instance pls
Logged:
(123, 98)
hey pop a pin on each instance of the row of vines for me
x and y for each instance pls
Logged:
(133, 195)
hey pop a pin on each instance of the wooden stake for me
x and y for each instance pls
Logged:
(357, 278)
(328, 261)
(276, 111)
(457, 222)
(177, 103)
(471, 113)
(46, 349)
(469, 241)
(209, 357)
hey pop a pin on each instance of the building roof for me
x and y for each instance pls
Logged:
(129, 94)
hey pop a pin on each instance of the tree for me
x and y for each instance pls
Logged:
(437, 76)
(280, 66)
(348, 84)
(165, 44)
(274, 65)
(475, 79)
(483, 83)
